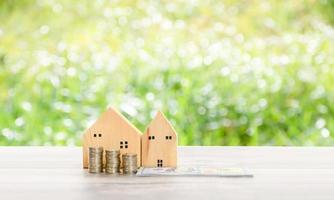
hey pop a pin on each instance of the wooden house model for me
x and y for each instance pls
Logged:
(157, 147)
(112, 131)
(159, 144)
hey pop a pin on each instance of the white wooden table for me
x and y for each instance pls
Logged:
(279, 173)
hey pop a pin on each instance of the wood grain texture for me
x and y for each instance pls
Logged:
(112, 131)
(290, 173)
(159, 143)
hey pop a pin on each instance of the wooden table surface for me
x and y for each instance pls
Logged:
(279, 173)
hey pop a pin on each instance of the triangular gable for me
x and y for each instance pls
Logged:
(108, 117)
(160, 122)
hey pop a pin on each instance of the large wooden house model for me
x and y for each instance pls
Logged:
(157, 147)
(112, 131)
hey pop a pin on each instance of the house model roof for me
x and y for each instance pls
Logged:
(161, 123)
(112, 119)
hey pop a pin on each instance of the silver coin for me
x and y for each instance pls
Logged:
(95, 164)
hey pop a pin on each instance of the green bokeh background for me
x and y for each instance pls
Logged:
(224, 72)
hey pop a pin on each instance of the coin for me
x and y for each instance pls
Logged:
(129, 163)
(112, 161)
(95, 160)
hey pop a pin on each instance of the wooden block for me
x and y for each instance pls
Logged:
(112, 131)
(159, 143)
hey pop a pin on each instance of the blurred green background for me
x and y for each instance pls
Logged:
(224, 72)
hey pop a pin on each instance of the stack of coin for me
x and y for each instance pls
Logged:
(112, 161)
(95, 159)
(129, 163)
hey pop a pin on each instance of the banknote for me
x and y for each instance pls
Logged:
(195, 171)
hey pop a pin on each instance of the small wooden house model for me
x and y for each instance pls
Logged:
(112, 131)
(159, 144)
